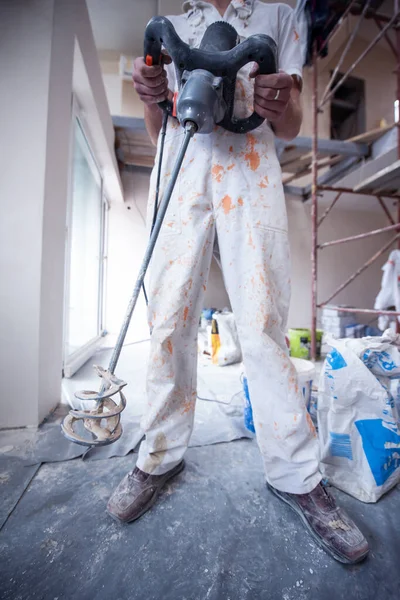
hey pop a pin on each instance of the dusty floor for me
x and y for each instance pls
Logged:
(215, 534)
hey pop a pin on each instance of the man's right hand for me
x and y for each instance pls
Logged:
(151, 83)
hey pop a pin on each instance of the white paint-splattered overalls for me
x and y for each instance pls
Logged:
(230, 186)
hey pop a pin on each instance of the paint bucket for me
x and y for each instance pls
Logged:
(305, 374)
(300, 343)
(248, 411)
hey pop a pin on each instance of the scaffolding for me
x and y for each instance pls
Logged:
(341, 156)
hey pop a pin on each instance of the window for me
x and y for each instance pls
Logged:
(85, 255)
(348, 108)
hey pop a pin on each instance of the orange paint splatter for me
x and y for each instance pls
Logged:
(227, 204)
(229, 167)
(296, 36)
(185, 313)
(230, 148)
(187, 407)
(169, 346)
(240, 201)
(264, 182)
(217, 172)
(250, 242)
(252, 157)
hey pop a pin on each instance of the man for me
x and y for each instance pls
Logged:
(230, 186)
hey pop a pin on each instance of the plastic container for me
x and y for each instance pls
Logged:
(305, 375)
(248, 411)
(206, 317)
(300, 342)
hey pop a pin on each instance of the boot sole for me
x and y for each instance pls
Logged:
(319, 541)
(169, 475)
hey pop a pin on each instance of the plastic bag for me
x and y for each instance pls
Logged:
(225, 346)
(389, 294)
(358, 421)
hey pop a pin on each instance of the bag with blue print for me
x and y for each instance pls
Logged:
(358, 419)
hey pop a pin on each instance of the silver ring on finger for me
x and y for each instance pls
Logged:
(277, 95)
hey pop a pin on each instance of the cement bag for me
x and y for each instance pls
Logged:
(358, 422)
(225, 346)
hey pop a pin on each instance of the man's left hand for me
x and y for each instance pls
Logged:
(271, 94)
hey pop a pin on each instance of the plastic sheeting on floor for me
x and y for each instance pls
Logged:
(218, 417)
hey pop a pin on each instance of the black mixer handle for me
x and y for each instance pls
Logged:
(220, 54)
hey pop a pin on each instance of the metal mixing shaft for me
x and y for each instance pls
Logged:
(104, 420)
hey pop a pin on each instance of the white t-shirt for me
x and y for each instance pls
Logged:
(247, 17)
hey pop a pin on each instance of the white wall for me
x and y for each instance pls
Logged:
(25, 31)
(127, 239)
(54, 205)
(122, 97)
(335, 264)
(38, 40)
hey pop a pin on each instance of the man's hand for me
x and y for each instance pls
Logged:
(271, 94)
(277, 98)
(151, 84)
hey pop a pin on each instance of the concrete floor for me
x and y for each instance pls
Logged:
(216, 534)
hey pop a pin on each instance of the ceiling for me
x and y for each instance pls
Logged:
(119, 25)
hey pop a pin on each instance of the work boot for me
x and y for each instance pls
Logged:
(328, 524)
(137, 493)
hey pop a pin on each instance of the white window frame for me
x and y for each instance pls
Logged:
(73, 362)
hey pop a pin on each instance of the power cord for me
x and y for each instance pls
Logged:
(156, 202)
(219, 401)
